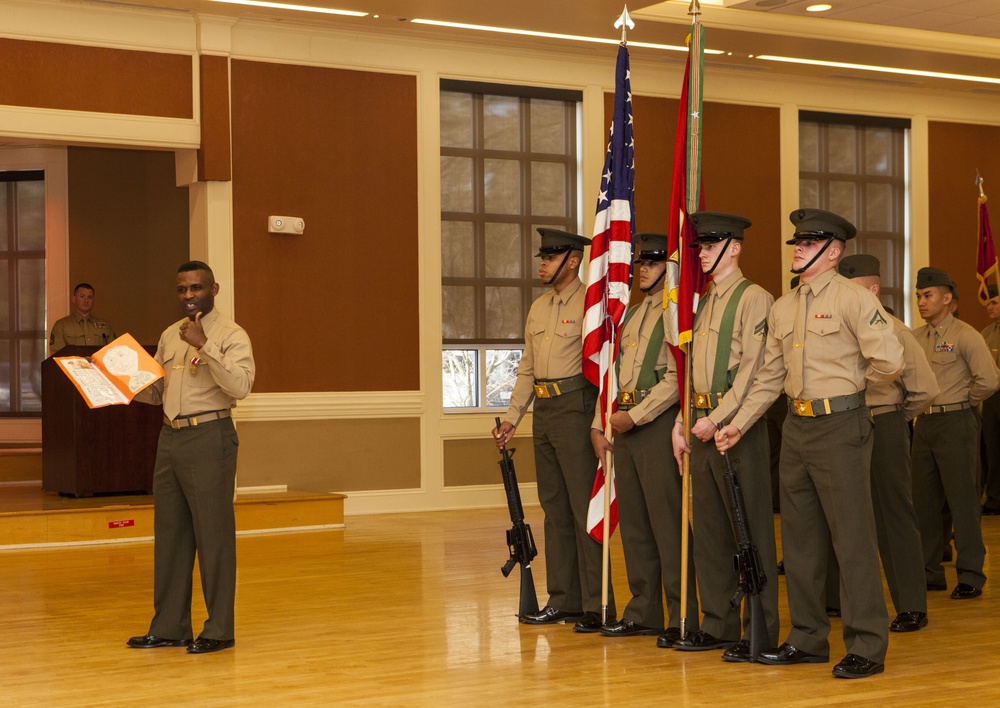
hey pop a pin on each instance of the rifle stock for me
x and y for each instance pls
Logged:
(747, 565)
(520, 542)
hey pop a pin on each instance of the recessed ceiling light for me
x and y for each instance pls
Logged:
(300, 8)
(821, 7)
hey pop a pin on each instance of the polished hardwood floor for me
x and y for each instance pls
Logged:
(411, 610)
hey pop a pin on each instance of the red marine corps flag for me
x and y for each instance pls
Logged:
(986, 255)
(609, 278)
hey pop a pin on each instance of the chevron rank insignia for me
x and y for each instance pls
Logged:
(878, 320)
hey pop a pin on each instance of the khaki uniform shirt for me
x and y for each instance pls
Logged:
(553, 345)
(915, 388)
(848, 344)
(78, 330)
(209, 379)
(635, 340)
(746, 349)
(991, 333)
(960, 359)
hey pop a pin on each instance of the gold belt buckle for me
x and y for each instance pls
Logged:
(542, 391)
(702, 400)
(626, 398)
(804, 408)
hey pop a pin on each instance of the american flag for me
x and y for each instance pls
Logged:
(685, 281)
(609, 276)
(986, 256)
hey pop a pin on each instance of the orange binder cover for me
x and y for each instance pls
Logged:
(114, 375)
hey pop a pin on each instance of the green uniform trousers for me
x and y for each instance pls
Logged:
(649, 517)
(825, 497)
(565, 467)
(193, 486)
(945, 458)
(715, 536)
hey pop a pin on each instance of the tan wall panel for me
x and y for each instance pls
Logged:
(334, 309)
(215, 154)
(740, 173)
(128, 232)
(330, 455)
(475, 462)
(71, 77)
(955, 151)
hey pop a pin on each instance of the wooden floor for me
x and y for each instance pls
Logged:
(411, 610)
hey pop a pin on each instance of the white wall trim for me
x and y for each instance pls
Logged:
(322, 405)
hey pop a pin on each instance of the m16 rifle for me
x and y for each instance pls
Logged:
(519, 538)
(747, 565)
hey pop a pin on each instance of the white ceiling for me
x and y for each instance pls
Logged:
(960, 36)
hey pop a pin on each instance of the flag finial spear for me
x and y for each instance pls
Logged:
(694, 9)
(624, 21)
(979, 183)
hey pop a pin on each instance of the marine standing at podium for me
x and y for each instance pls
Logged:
(81, 328)
(209, 365)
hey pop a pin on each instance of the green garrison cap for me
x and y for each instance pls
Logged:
(555, 241)
(992, 290)
(714, 226)
(929, 277)
(650, 247)
(819, 225)
(858, 266)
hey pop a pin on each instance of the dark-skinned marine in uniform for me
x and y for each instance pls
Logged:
(550, 374)
(647, 484)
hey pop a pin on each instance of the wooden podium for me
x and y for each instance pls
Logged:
(89, 451)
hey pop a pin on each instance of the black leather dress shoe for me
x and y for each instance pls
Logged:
(550, 615)
(936, 587)
(738, 652)
(909, 622)
(854, 666)
(833, 612)
(589, 623)
(990, 511)
(788, 654)
(668, 638)
(964, 591)
(149, 641)
(625, 628)
(702, 641)
(201, 645)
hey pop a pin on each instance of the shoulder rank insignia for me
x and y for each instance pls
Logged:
(878, 320)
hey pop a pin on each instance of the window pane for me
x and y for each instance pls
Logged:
(504, 315)
(31, 294)
(548, 126)
(458, 312)
(4, 233)
(31, 215)
(878, 207)
(456, 120)
(501, 122)
(5, 323)
(501, 372)
(548, 189)
(809, 193)
(5, 375)
(878, 151)
(32, 352)
(809, 147)
(456, 184)
(843, 200)
(502, 186)
(842, 149)
(458, 248)
(503, 250)
(459, 369)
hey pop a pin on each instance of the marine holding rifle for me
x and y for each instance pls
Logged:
(826, 340)
(550, 373)
(647, 484)
(726, 353)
